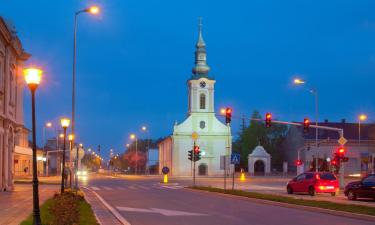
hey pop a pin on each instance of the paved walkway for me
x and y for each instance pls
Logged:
(15, 206)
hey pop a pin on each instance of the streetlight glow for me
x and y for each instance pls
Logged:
(298, 81)
(93, 10)
(132, 136)
(61, 135)
(65, 122)
(71, 137)
(144, 128)
(223, 111)
(48, 124)
(362, 117)
(33, 76)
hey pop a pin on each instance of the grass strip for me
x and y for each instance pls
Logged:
(85, 214)
(351, 208)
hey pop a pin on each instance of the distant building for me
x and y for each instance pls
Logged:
(12, 57)
(214, 137)
(361, 152)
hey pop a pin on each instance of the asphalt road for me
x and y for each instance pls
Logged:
(144, 201)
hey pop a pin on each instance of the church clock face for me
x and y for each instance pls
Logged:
(202, 57)
(202, 84)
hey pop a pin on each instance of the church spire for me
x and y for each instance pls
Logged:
(201, 68)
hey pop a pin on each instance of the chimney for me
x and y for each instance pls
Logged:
(326, 121)
(343, 121)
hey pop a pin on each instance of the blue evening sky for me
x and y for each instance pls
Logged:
(135, 58)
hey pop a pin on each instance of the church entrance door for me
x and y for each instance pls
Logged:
(202, 170)
(259, 168)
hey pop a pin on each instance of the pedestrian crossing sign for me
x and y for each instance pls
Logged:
(235, 158)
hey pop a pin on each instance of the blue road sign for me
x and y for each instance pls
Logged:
(235, 158)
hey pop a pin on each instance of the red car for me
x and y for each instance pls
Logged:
(314, 182)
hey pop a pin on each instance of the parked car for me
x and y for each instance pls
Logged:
(364, 188)
(314, 182)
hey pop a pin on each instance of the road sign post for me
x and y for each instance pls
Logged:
(235, 160)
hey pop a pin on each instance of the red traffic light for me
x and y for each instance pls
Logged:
(196, 149)
(341, 151)
(306, 124)
(298, 162)
(268, 119)
(228, 115)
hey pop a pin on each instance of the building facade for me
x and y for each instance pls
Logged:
(12, 57)
(360, 147)
(214, 137)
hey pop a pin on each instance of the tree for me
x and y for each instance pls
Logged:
(257, 134)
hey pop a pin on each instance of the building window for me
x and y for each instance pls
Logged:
(202, 101)
(202, 124)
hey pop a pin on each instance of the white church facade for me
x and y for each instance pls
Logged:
(214, 137)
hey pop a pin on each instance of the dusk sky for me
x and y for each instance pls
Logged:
(135, 57)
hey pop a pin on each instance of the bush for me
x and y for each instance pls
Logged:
(65, 208)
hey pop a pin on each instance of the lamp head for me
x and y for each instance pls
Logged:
(132, 136)
(298, 81)
(71, 137)
(362, 117)
(93, 10)
(65, 122)
(33, 77)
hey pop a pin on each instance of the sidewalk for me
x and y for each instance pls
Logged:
(17, 205)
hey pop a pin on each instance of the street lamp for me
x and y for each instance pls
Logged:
(33, 77)
(298, 81)
(92, 10)
(65, 122)
(133, 137)
(361, 117)
(144, 129)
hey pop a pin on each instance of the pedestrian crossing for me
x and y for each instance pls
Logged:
(133, 187)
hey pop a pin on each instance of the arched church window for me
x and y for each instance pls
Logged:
(202, 101)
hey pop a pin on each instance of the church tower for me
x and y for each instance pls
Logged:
(201, 85)
(213, 137)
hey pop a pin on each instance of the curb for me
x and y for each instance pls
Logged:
(113, 211)
(287, 205)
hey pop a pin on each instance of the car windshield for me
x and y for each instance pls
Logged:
(327, 176)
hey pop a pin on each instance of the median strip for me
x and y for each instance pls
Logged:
(326, 205)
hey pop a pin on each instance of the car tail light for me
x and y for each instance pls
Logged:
(317, 176)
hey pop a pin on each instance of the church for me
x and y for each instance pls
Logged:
(214, 138)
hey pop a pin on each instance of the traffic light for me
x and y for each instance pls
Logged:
(268, 119)
(298, 162)
(190, 153)
(228, 115)
(341, 152)
(197, 153)
(306, 125)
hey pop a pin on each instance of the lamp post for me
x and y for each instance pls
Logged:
(361, 117)
(92, 10)
(33, 77)
(76, 167)
(71, 142)
(313, 91)
(65, 122)
(134, 137)
(146, 130)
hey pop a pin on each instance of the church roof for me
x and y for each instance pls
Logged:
(200, 68)
(259, 151)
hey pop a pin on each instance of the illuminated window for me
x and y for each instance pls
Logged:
(202, 101)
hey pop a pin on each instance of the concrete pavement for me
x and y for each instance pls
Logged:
(17, 205)
(146, 201)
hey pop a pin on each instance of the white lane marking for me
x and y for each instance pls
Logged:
(107, 188)
(143, 187)
(164, 212)
(95, 188)
(113, 211)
